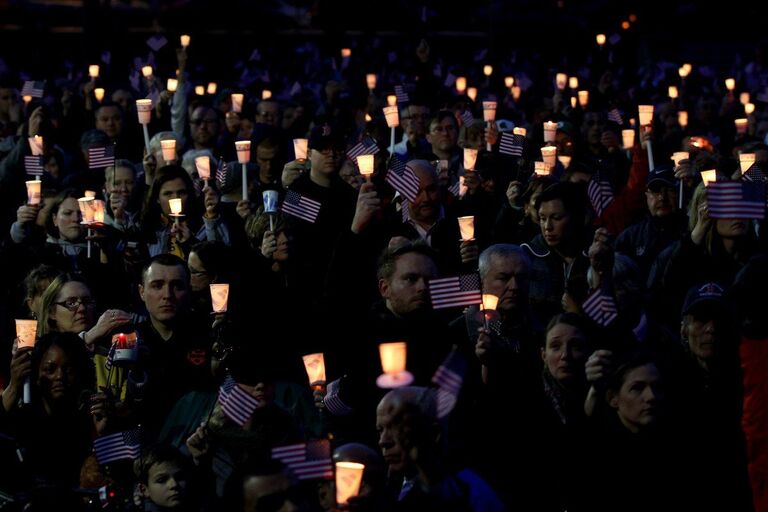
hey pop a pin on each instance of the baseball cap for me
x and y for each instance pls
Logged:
(324, 136)
(661, 175)
(706, 294)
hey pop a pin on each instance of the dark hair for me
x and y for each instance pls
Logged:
(573, 197)
(107, 103)
(388, 260)
(625, 364)
(150, 215)
(50, 228)
(443, 114)
(216, 258)
(168, 260)
(572, 319)
(74, 348)
(156, 454)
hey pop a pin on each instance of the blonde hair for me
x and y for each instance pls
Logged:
(45, 323)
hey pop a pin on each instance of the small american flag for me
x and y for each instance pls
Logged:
(615, 115)
(467, 118)
(102, 156)
(221, 172)
(307, 460)
(449, 292)
(110, 359)
(122, 445)
(367, 146)
(34, 165)
(299, 206)
(754, 173)
(236, 403)
(511, 144)
(449, 377)
(600, 307)
(33, 88)
(736, 200)
(455, 189)
(402, 96)
(401, 177)
(600, 195)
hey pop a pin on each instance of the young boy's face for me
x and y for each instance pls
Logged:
(166, 485)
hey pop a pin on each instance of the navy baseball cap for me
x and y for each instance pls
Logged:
(706, 294)
(661, 175)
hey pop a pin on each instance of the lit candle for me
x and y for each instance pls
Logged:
(489, 111)
(509, 81)
(203, 165)
(314, 364)
(146, 71)
(560, 80)
(26, 99)
(741, 125)
(461, 84)
(470, 158)
(672, 92)
(185, 39)
(169, 150)
(628, 138)
(172, 84)
(600, 38)
(93, 71)
(36, 145)
(199, 90)
(472, 93)
(365, 164)
(744, 98)
(708, 177)
(393, 356)
(144, 110)
(645, 114)
(26, 333)
(573, 82)
(550, 131)
(746, 160)
(549, 155)
(98, 93)
(392, 116)
(370, 81)
(391, 100)
(211, 89)
(487, 70)
(175, 206)
(237, 102)
(349, 475)
(99, 207)
(490, 302)
(219, 297)
(467, 228)
(346, 53)
(682, 118)
(368, 117)
(300, 148)
(86, 209)
(679, 156)
(90, 193)
(516, 92)
(730, 84)
(266, 94)
(243, 148)
(541, 168)
(33, 192)
(749, 108)
(519, 130)
(573, 101)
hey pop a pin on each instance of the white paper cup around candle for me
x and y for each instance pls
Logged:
(519, 130)
(672, 92)
(243, 148)
(266, 94)
(314, 364)
(270, 201)
(365, 164)
(86, 209)
(628, 138)
(678, 156)
(708, 177)
(684, 70)
(746, 160)
(393, 356)
(211, 88)
(392, 116)
(561, 79)
(199, 90)
(125, 347)
(144, 110)
(219, 297)
(370, 81)
(583, 98)
(349, 476)
(391, 100)
(490, 302)
(368, 117)
(237, 102)
(741, 125)
(90, 193)
(487, 70)
(749, 108)
(185, 39)
(516, 91)
(565, 160)
(467, 228)
(33, 192)
(470, 158)
(203, 166)
(645, 114)
(549, 155)
(574, 102)
(169, 149)
(300, 148)
(573, 82)
(175, 206)
(99, 207)
(472, 93)
(98, 93)
(146, 71)
(93, 71)
(172, 84)
(730, 84)
(744, 98)
(461, 84)
(489, 111)
(682, 118)
(36, 145)
(509, 81)
(600, 38)
(550, 131)
(26, 332)
(541, 168)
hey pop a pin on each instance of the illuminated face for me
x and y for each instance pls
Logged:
(661, 200)
(67, 220)
(109, 119)
(555, 222)
(56, 377)
(637, 402)
(166, 485)
(72, 310)
(406, 291)
(507, 278)
(173, 189)
(123, 182)
(565, 352)
(165, 292)
(426, 207)
(443, 135)
(389, 434)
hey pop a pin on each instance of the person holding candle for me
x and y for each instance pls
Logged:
(443, 136)
(413, 120)
(119, 187)
(517, 220)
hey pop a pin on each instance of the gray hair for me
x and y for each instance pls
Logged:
(501, 251)
(109, 172)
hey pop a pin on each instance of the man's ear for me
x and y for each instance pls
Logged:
(613, 399)
(143, 490)
(683, 330)
(141, 291)
(384, 288)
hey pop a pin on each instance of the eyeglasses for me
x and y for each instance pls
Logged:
(663, 191)
(73, 303)
(198, 122)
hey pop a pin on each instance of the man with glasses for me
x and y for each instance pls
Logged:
(413, 119)
(644, 240)
(443, 137)
(204, 128)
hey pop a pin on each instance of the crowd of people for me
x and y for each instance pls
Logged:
(621, 368)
